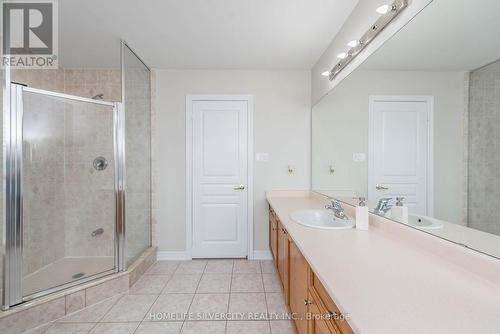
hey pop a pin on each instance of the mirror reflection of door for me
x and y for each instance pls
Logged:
(400, 158)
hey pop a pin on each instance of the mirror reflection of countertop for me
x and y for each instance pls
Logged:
(475, 239)
(390, 285)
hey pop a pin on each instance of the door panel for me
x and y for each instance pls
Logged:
(220, 170)
(62, 230)
(399, 161)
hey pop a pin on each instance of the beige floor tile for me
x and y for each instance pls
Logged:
(247, 283)
(209, 306)
(246, 267)
(204, 327)
(150, 284)
(276, 305)
(272, 283)
(213, 283)
(60, 328)
(130, 308)
(92, 313)
(191, 267)
(219, 267)
(159, 328)
(248, 327)
(170, 307)
(163, 268)
(268, 267)
(40, 329)
(182, 283)
(282, 327)
(115, 328)
(247, 303)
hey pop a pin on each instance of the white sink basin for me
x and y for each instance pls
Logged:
(424, 223)
(323, 219)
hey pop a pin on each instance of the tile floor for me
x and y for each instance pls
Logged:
(188, 297)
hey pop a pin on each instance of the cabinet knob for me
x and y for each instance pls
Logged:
(307, 302)
(331, 315)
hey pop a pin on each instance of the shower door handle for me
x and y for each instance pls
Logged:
(97, 232)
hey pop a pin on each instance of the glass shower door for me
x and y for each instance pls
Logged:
(64, 181)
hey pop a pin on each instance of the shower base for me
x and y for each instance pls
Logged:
(65, 270)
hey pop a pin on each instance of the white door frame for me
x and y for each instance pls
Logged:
(430, 142)
(189, 166)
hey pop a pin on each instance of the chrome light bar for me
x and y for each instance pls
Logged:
(394, 10)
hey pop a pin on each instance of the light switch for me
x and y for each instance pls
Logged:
(358, 157)
(262, 157)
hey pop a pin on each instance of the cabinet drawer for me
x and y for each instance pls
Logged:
(317, 323)
(324, 302)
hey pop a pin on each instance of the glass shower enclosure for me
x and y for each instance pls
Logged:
(64, 188)
(65, 219)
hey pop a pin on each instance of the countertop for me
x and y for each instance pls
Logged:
(388, 284)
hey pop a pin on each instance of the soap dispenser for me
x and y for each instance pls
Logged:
(399, 212)
(362, 215)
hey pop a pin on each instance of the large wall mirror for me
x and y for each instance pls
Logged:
(419, 120)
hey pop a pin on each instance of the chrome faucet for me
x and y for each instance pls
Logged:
(383, 206)
(337, 208)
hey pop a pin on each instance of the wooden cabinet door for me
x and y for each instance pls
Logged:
(273, 234)
(317, 325)
(283, 248)
(298, 273)
(325, 303)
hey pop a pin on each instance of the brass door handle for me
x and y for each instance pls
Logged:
(381, 187)
(240, 187)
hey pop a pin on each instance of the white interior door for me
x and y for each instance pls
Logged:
(399, 161)
(220, 176)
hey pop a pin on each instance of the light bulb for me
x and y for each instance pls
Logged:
(353, 43)
(342, 55)
(383, 9)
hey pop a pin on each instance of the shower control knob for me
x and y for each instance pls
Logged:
(100, 163)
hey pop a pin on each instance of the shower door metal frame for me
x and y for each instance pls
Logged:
(13, 155)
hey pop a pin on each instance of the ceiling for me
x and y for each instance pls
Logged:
(200, 34)
(448, 35)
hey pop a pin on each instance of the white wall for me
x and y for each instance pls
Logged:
(281, 128)
(345, 113)
(359, 21)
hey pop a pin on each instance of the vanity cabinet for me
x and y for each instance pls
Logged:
(298, 287)
(283, 247)
(305, 295)
(332, 317)
(317, 323)
(273, 234)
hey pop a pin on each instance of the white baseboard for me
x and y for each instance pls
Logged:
(262, 255)
(173, 255)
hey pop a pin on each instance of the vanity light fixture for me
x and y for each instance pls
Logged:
(388, 14)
